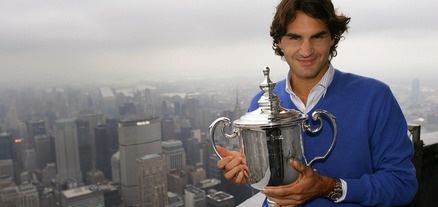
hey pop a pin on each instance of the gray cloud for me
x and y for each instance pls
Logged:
(43, 41)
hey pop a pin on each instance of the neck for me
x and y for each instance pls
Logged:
(302, 86)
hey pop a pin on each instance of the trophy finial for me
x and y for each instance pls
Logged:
(269, 102)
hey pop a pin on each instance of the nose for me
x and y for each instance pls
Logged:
(306, 48)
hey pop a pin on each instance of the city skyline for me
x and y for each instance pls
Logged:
(66, 113)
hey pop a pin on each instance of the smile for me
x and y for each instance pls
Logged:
(306, 61)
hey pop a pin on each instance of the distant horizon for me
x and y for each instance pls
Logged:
(87, 42)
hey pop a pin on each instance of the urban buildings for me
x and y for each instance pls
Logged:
(152, 181)
(122, 142)
(67, 151)
(137, 138)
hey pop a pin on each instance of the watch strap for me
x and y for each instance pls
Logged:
(337, 192)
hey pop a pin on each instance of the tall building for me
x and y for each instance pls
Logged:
(209, 184)
(112, 139)
(194, 197)
(86, 124)
(115, 167)
(137, 137)
(83, 196)
(152, 181)
(25, 195)
(127, 109)
(44, 150)
(6, 141)
(67, 151)
(219, 199)
(34, 128)
(112, 126)
(196, 174)
(103, 150)
(212, 170)
(18, 157)
(108, 101)
(30, 159)
(6, 168)
(176, 181)
(175, 157)
(84, 146)
(168, 129)
(191, 110)
(175, 200)
(193, 149)
(47, 174)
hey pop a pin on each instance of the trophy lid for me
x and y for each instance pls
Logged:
(269, 114)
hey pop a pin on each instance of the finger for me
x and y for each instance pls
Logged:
(284, 202)
(235, 162)
(302, 169)
(230, 175)
(223, 152)
(240, 178)
(223, 162)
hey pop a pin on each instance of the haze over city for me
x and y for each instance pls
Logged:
(77, 42)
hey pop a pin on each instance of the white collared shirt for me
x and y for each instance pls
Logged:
(317, 92)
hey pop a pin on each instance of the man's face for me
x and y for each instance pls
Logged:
(306, 47)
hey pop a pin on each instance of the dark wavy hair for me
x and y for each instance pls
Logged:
(318, 9)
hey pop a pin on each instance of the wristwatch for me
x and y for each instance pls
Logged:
(337, 192)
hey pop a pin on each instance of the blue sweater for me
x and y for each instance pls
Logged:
(372, 151)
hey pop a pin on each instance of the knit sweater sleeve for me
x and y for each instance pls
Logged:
(393, 181)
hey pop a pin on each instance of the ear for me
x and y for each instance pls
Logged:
(280, 46)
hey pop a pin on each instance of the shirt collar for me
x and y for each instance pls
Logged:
(324, 82)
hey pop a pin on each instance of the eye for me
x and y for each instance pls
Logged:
(294, 37)
(320, 36)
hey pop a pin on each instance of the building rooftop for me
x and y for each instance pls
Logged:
(150, 156)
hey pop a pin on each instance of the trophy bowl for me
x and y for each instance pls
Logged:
(270, 137)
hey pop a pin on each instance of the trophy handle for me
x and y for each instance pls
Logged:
(307, 127)
(226, 122)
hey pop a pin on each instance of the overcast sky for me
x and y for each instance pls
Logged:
(96, 40)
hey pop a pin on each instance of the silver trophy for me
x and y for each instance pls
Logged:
(270, 136)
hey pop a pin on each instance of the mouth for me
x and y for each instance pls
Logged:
(306, 62)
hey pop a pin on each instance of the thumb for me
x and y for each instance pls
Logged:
(298, 166)
(222, 151)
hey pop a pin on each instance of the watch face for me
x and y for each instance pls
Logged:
(335, 196)
(336, 193)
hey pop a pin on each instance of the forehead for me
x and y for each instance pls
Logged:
(304, 23)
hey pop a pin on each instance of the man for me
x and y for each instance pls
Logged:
(370, 164)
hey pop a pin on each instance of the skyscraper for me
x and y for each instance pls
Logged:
(168, 129)
(6, 146)
(103, 150)
(83, 196)
(108, 101)
(86, 124)
(35, 128)
(219, 199)
(152, 181)
(174, 154)
(45, 154)
(137, 137)
(25, 195)
(194, 197)
(67, 151)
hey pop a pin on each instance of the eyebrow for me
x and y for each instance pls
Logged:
(313, 36)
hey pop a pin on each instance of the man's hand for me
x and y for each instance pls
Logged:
(308, 185)
(233, 165)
